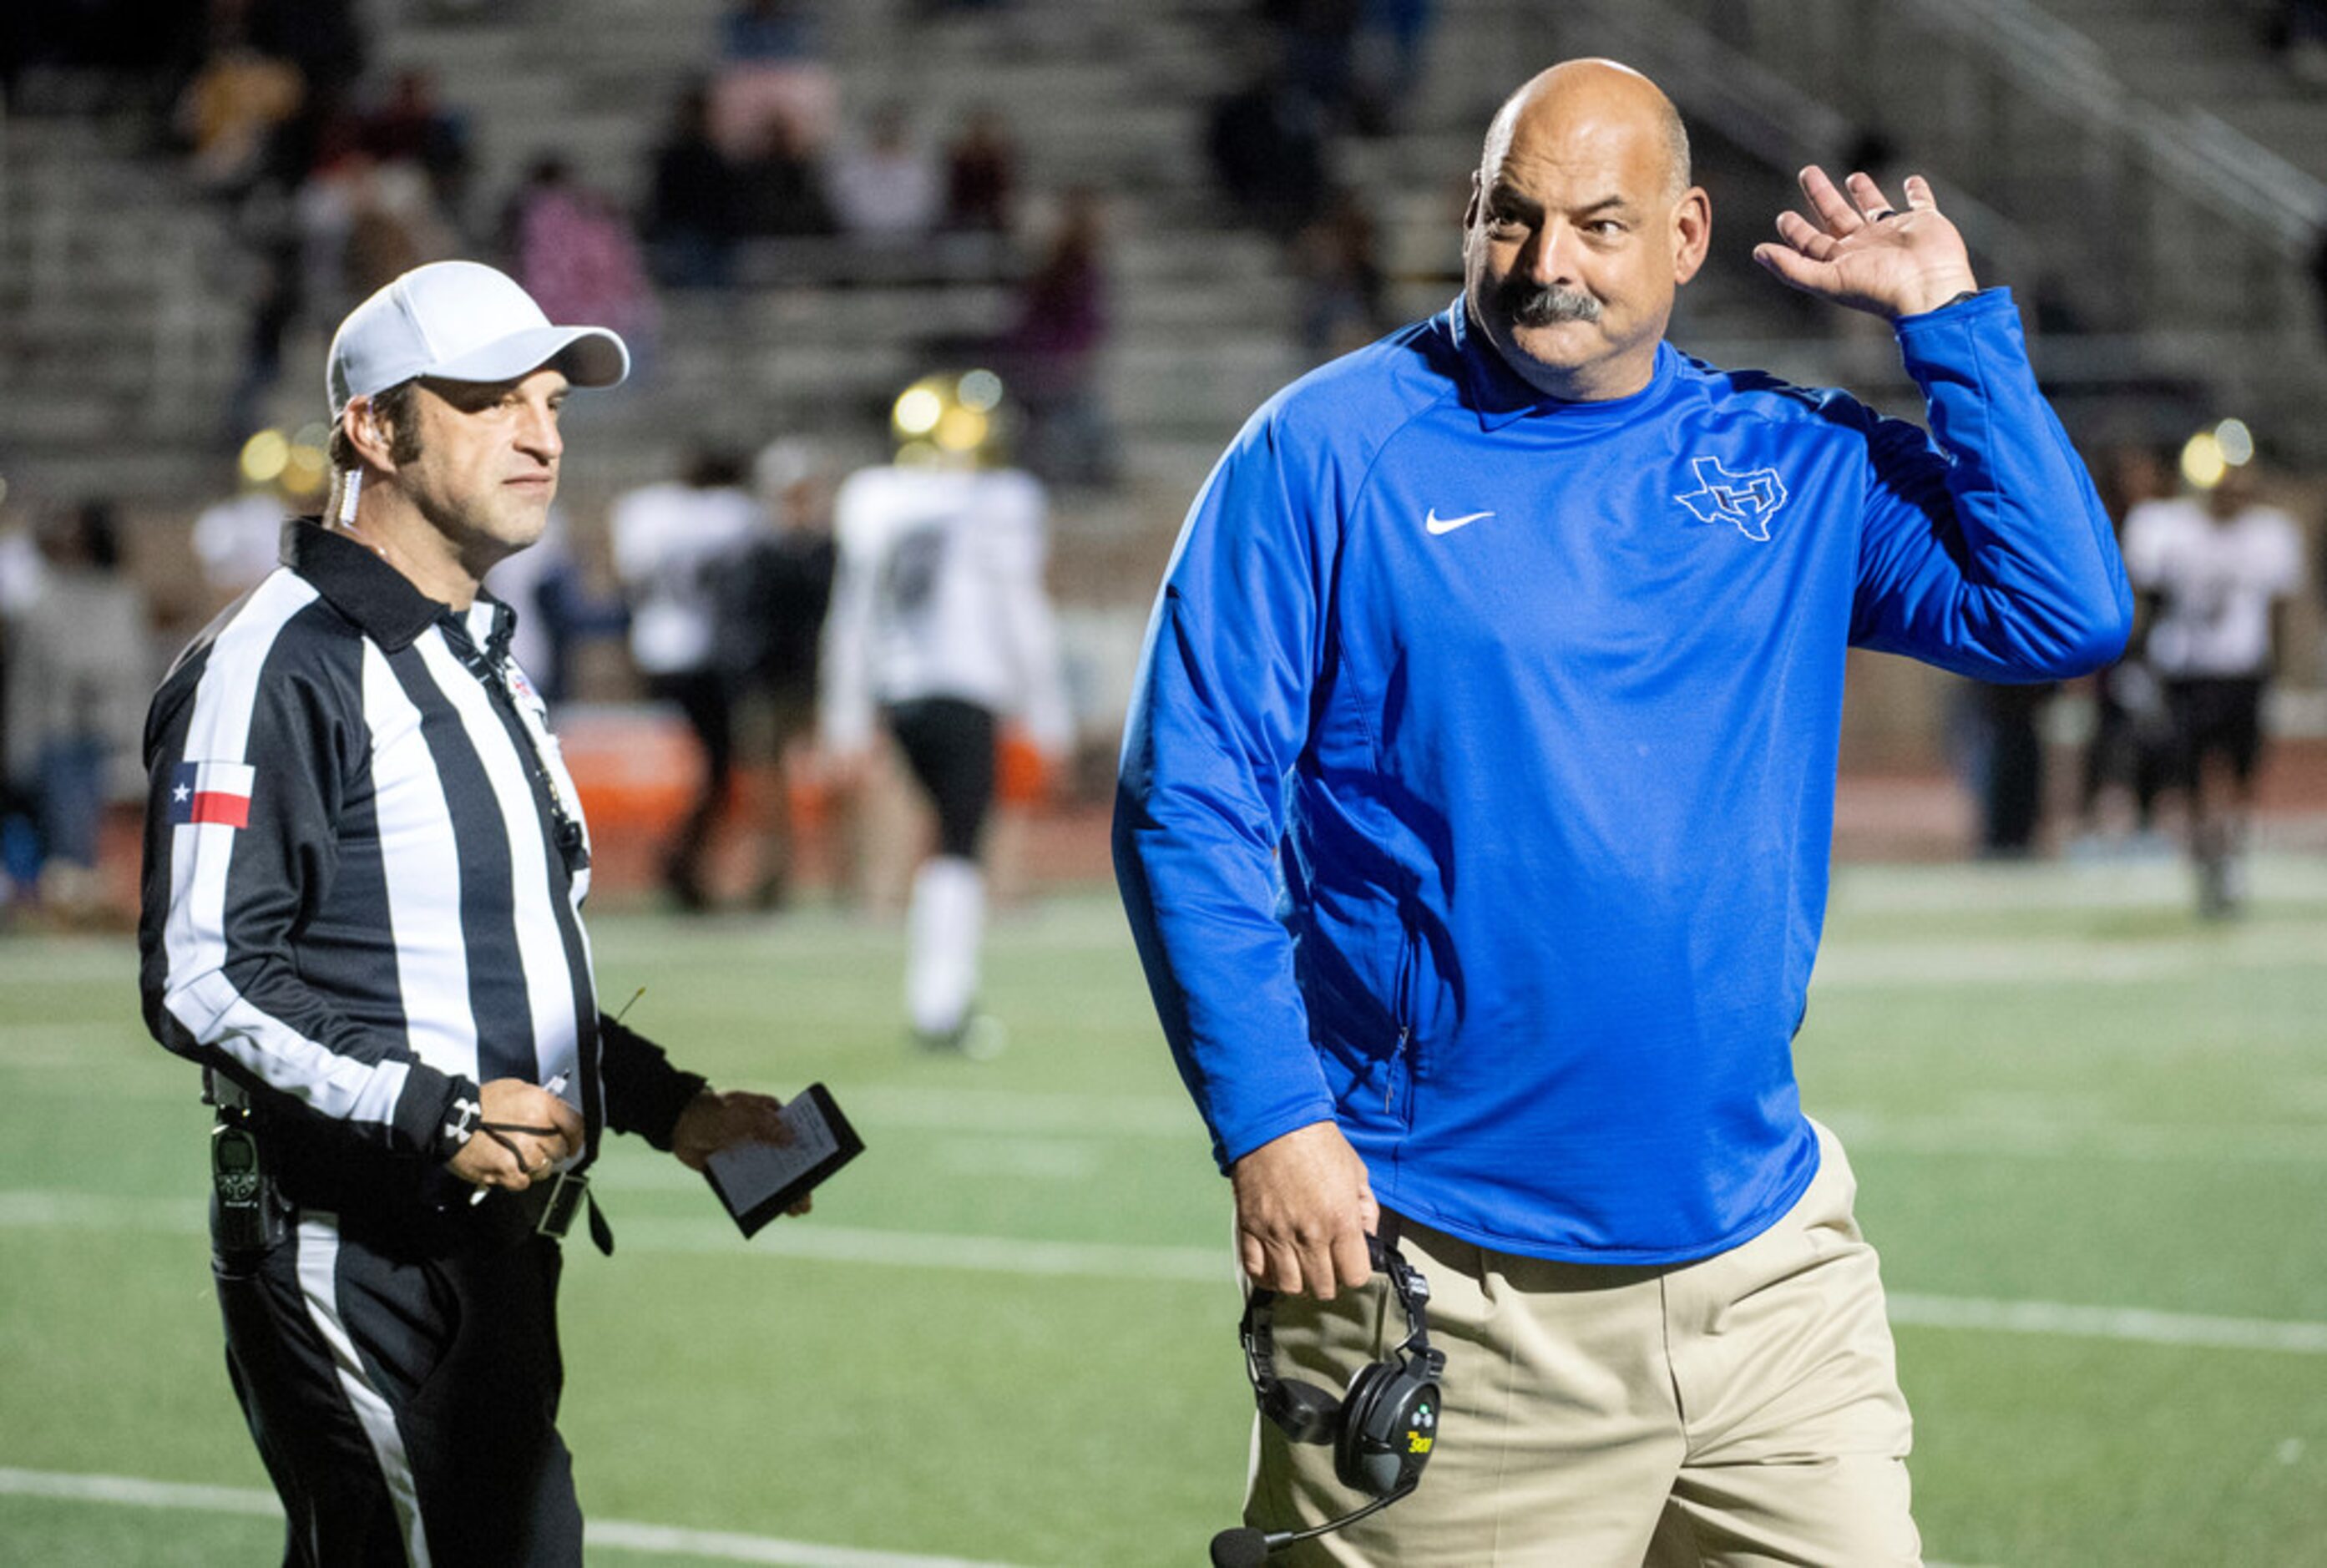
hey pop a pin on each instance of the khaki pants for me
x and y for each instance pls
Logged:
(1743, 1410)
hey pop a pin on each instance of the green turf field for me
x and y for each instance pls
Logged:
(2091, 1136)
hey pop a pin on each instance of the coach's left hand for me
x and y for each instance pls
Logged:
(714, 1121)
(1856, 249)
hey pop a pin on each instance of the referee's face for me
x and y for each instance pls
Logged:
(1579, 231)
(487, 466)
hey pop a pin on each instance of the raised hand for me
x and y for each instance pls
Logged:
(1857, 249)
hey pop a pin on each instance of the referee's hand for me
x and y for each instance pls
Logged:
(517, 1159)
(1305, 1207)
(714, 1121)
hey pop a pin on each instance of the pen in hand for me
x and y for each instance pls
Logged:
(555, 1086)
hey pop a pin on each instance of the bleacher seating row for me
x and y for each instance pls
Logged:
(123, 297)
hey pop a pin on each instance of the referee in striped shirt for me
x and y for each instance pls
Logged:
(364, 872)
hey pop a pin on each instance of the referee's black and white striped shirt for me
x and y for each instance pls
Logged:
(365, 865)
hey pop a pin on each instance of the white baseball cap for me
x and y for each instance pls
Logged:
(461, 321)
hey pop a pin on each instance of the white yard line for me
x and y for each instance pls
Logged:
(1001, 1254)
(602, 1535)
(2033, 1134)
(2134, 1323)
(967, 1253)
(612, 1535)
(726, 1546)
(128, 1491)
(1848, 964)
(2160, 883)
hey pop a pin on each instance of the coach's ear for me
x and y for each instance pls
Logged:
(1692, 232)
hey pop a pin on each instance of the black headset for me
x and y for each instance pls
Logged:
(1385, 1424)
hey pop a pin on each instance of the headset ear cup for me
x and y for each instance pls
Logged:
(1357, 1449)
(1389, 1427)
(1415, 1429)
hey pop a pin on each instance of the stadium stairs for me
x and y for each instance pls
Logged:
(121, 293)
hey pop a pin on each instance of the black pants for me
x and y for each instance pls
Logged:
(950, 745)
(404, 1397)
(2215, 716)
(2123, 749)
(703, 696)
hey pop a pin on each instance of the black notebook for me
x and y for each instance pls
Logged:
(758, 1181)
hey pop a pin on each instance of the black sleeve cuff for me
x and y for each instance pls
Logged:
(435, 1115)
(644, 1093)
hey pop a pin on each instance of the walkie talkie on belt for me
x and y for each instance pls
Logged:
(249, 1215)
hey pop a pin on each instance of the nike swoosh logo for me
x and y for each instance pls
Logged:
(1438, 525)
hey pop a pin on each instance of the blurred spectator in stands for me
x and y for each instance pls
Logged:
(1387, 69)
(274, 74)
(2009, 750)
(2216, 573)
(393, 226)
(2129, 749)
(981, 180)
(690, 220)
(22, 576)
(1266, 143)
(771, 67)
(78, 668)
(323, 38)
(364, 223)
(886, 185)
(231, 110)
(278, 294)
(1317, 45)
(771, 610)
(411, 125)
(770, 30)
(779, 189)
(1052, 349)
(573, 251)
(674, 541)
(1341, 306)
(2319, 277)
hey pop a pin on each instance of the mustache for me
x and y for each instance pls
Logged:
(1542, 307)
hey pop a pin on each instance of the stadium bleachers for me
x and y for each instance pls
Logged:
(2088, 144)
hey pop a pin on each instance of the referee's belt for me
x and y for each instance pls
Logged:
(549, 1207)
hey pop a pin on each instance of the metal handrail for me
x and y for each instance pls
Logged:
(2207, 160)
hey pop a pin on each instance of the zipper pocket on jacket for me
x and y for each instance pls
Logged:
(1402, 1053)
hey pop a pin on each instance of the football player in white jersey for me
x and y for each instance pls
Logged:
(2215, 572)
(940, 628)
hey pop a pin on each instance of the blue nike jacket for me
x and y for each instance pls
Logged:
(1478, 784)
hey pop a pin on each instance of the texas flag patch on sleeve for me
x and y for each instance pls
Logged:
(216, 792)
